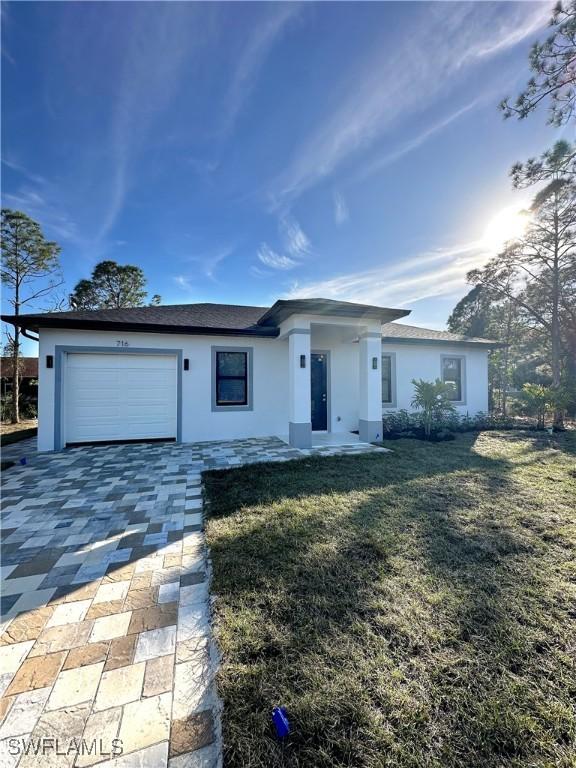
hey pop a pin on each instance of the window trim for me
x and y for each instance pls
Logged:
(243, 377)
(392, 356)
(462, 359)
(249, 352)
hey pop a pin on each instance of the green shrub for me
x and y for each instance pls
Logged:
(536, 400)
(405, 424)
(431, 399)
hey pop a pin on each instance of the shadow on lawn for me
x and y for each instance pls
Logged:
(397, 605)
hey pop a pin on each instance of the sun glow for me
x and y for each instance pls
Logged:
(507, 225)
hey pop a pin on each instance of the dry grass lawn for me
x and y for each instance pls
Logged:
(410, 609)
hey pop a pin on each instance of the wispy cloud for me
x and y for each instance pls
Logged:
(295, 240)
(274, 260)
(38, 198)
(393, 84)
(205, 266)
(295, 246)
(9, 162)
(376, 164)
(40, 207)
(210, 261)
(161, 41)
(341, 212)
(506, 35)
(183, 283)
(257, 49)
(153, 43)
(435, 273)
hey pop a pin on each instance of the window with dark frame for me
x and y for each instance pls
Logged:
(231, 378)
(452, 375)
(386, 379)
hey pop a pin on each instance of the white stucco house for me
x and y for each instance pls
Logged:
(200, 372)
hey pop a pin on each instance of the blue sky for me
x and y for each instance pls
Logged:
(244, 152)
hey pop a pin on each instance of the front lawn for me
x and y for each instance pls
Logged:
(415, 608)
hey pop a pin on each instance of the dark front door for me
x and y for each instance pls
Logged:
(319, 377)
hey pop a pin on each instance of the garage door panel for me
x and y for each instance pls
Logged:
(120, 397)
(117, 362)
(84, 380)
(142, 387)
(155, 412)
(82, 414)
(152, 378)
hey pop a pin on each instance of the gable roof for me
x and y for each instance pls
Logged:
(399, 332)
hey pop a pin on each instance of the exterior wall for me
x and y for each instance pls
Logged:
(270, 412)
(420, 361)
(270, 382)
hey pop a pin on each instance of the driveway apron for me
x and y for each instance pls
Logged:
(105, 645)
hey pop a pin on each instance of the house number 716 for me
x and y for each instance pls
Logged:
(122, 343)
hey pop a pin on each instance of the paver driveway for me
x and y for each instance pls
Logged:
(106, 631)
(103, 567)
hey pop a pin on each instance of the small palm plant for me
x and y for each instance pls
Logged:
(431, 397)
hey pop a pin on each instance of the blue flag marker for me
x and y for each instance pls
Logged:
(23, 461)
(280, 720)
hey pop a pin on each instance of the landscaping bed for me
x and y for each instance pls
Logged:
(414, 608)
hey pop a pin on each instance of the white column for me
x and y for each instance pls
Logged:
(370, 405)
(299, 394)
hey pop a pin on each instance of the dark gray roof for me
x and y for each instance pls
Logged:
(172, 318)
(202, 318)
(283, 308)
(233, 319)
(412, 333)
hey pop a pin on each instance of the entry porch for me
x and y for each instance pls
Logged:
(334, 380)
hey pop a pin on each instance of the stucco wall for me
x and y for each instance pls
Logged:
(270, 386)
(418, 361)
(199, 422)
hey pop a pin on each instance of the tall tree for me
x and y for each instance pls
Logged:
(112, 286)
(536, 271)
(560, 161)
(471, 316)
(28, 261)
(553, 63)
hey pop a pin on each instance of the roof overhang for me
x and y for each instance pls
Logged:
(485, 344)
(284, 308)
(35, 322)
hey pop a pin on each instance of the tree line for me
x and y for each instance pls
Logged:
(525, 296)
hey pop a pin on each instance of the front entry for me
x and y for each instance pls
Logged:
(319, 394)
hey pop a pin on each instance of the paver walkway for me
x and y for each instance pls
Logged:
(105, 639)
(15, 451)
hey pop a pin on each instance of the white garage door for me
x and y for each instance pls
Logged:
(119, 397)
